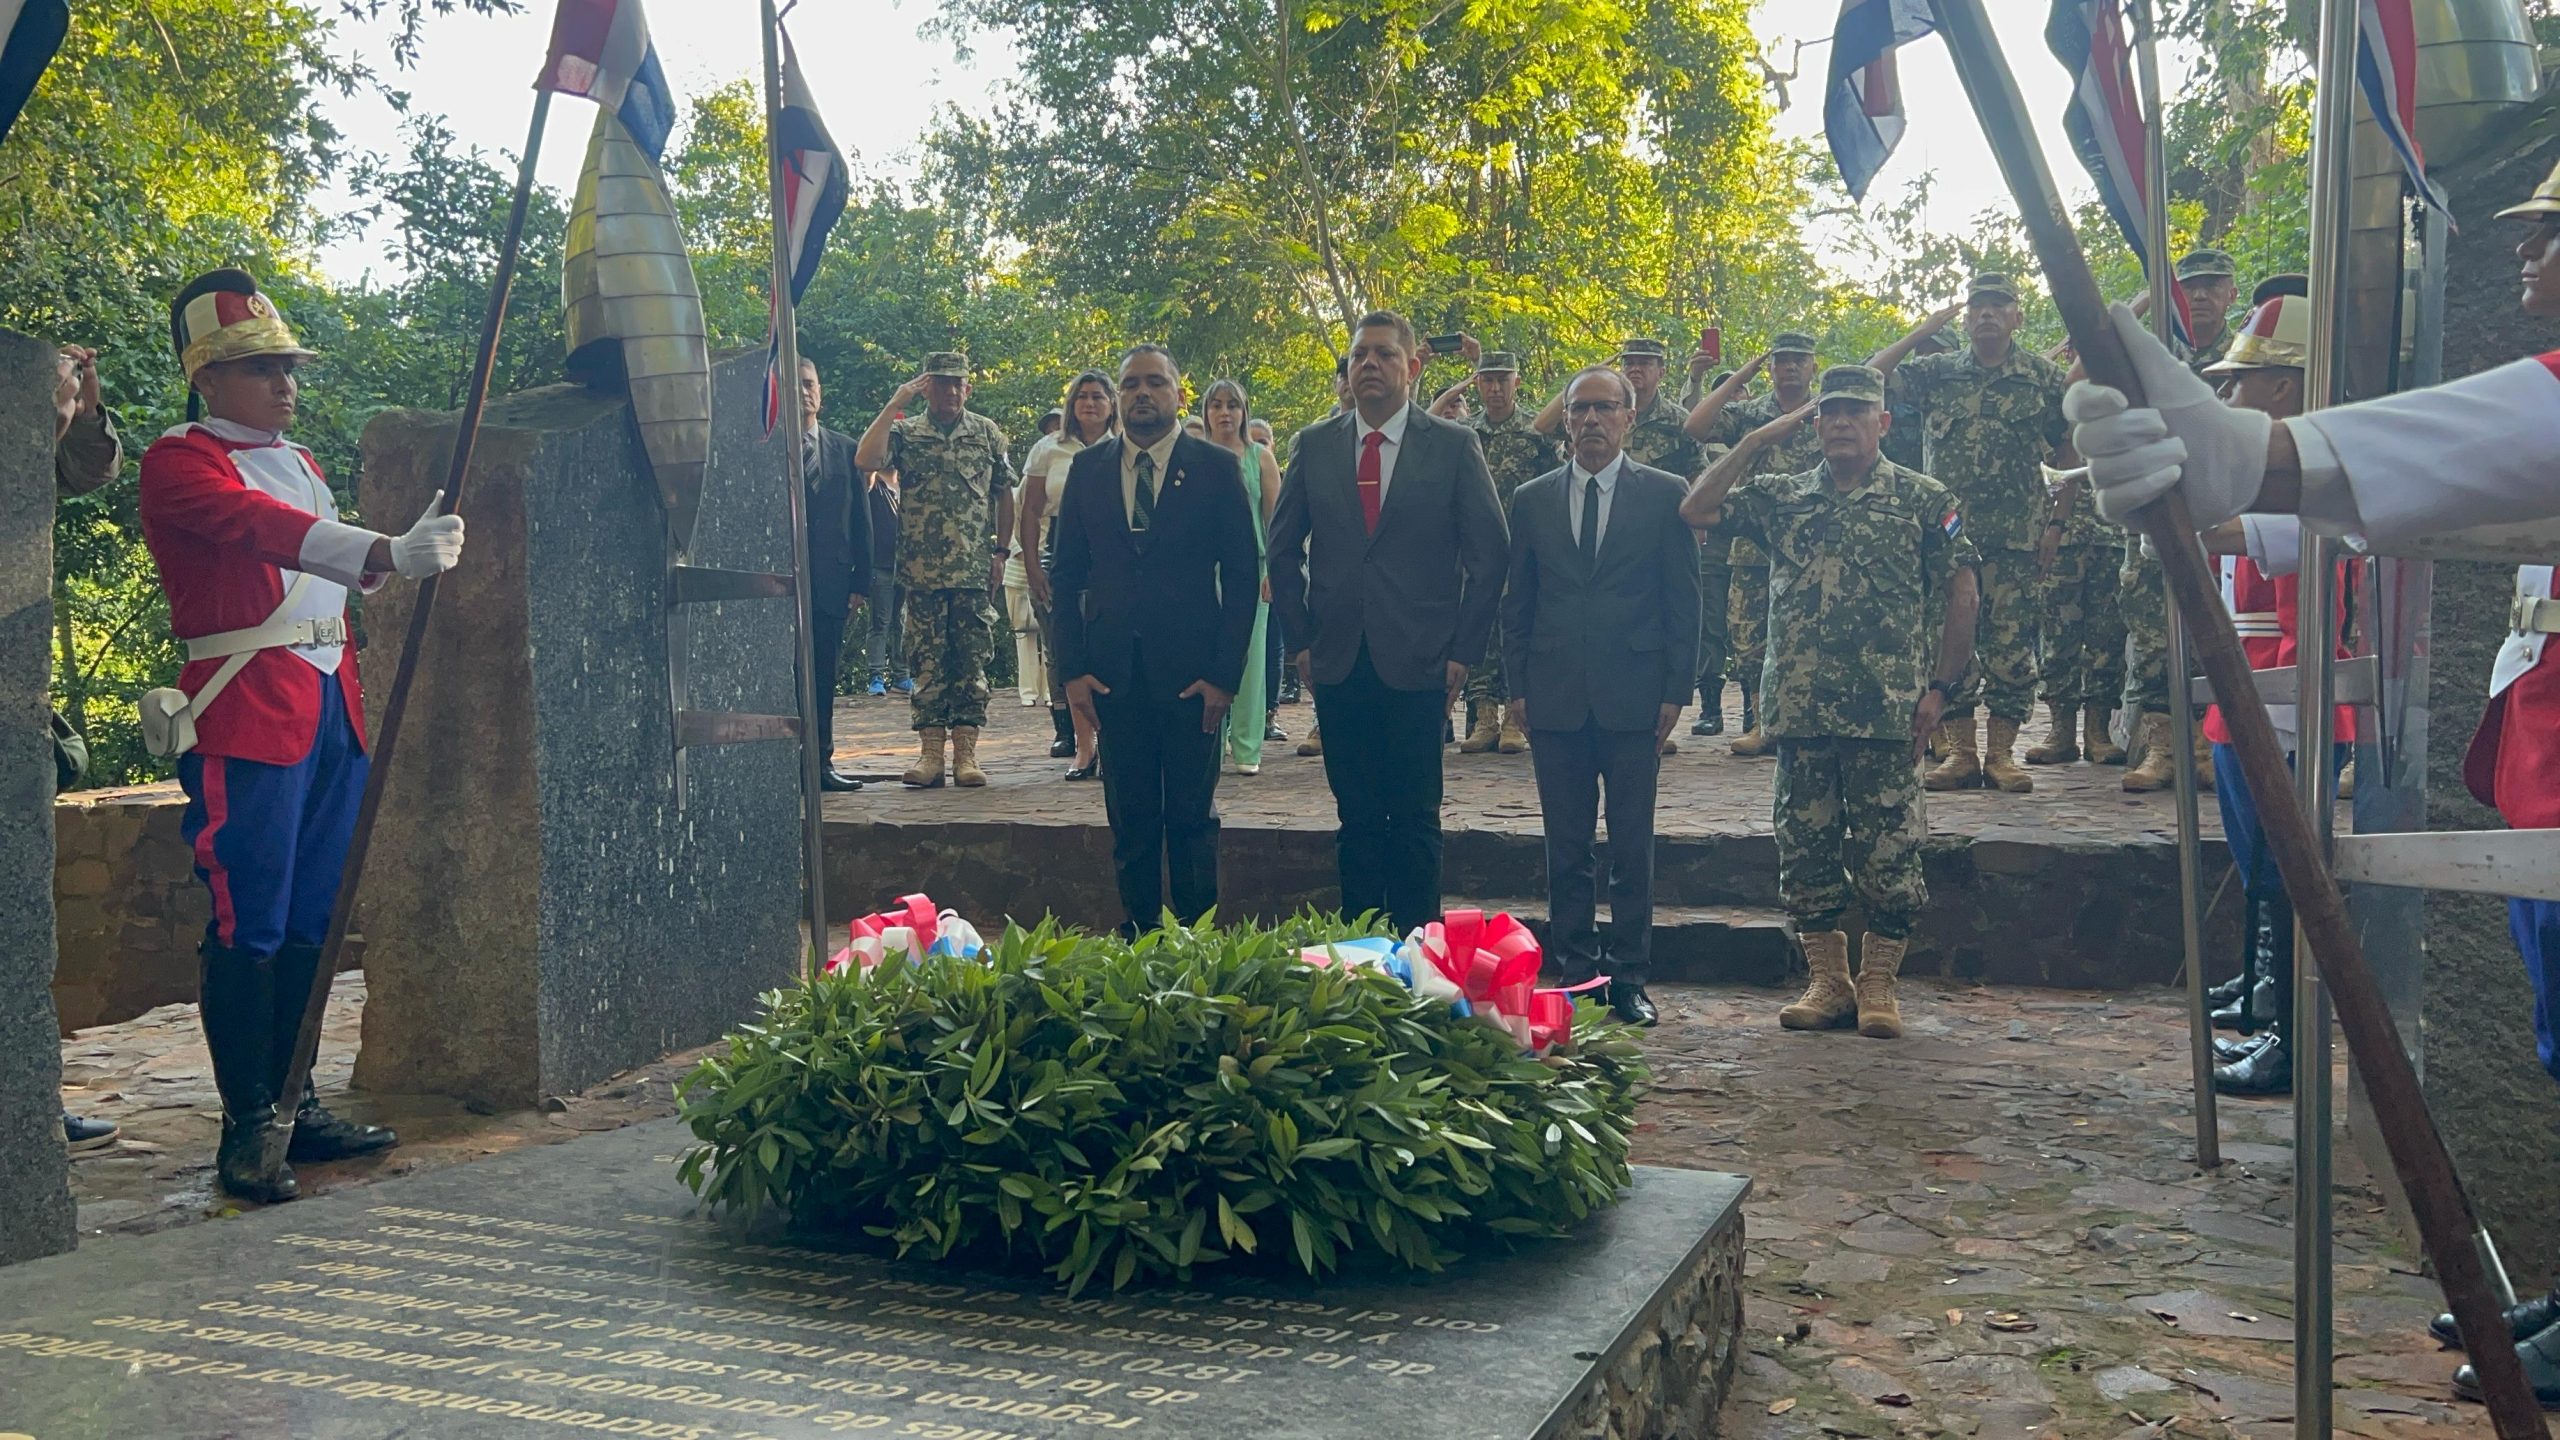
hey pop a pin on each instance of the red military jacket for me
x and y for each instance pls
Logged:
(2264, 611)
(232, 516)
(2514, 759)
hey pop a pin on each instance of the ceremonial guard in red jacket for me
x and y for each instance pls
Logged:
(267, 720)
(2482, 450)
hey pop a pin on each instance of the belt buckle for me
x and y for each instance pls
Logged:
(329, 630)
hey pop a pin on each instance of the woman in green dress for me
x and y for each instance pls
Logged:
(1226, 414)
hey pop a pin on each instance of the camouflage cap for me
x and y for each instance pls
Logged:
(1853, 382)
(1791, 342)
(1645, 348)
(951, 364)
(2206, 264)
(1498, 362)
(1991, 283)
(2542, 204)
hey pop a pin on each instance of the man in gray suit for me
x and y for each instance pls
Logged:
(1601, 622)
(1387, 556)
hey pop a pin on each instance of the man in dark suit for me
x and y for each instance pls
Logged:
(1599, 624)
(839, 517)
(1152, 595)
(1387, 555)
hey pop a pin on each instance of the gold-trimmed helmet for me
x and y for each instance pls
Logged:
(2277, 333)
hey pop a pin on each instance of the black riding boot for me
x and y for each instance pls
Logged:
(237, 1006)
(2268, 1069)
(2271, 947)
(2228, 993)
(2523, 1319)
(317, 1134)
(2539, 1353)
(1750, 710)
(1710, 710)
(1062, 728)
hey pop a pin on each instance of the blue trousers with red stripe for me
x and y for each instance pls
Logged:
(2536, 926)
(270, 841)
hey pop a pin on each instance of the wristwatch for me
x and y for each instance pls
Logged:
(1945, 688)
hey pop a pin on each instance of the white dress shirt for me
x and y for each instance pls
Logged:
(1580, 481)
(1129, 453)
(1394, 431)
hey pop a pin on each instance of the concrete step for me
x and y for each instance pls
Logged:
(1696, 944)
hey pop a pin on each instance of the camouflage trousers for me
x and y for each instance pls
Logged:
(1747, 623)
(2145, 603)
(1850, 820)
(1485, 685)
(951, 638)
(1715, 640)
(2083, 650)
(2003, 677)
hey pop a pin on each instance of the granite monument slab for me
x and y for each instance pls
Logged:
(539, 913)
(577, 1288)
(36, 1215)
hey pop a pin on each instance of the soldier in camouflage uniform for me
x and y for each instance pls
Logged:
(1857, 546)
(1516, 454)
(955, 505)
(1993, 414)
(2208, 278)
(2082, 657)
(1721, 420)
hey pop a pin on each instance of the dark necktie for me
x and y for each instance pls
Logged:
(1372, 485)
(1142, 517)
(1591, 520)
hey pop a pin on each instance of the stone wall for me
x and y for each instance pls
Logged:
(36, 1216)
(127, 904)
(539, 912)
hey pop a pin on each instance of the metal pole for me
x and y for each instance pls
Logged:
(2315, 632)
(2182, 717)
(395, 705)
(2436, 1198)
(812, 838)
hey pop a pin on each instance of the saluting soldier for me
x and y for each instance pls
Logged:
(2081, 656)
(2209, 280)
(1858, 547)
(955, 508)
(1993, 413)
(1722, 417)
(1515, 454)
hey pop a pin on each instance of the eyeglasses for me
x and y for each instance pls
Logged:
(1595, 407)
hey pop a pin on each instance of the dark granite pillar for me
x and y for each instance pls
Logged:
(537, 913)
(36, 1214)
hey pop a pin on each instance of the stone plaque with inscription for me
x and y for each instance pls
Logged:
(574, 1289)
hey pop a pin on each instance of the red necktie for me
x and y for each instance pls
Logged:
(1371, 487)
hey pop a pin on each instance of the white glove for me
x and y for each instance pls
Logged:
(431, 547)
(2216, 454)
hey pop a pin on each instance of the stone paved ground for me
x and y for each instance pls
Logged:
(1705, 788)
(1989, 1228)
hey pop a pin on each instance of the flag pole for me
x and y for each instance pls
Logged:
(2182, 716)
(386, 733)
(786, 331)
(2418, 1153)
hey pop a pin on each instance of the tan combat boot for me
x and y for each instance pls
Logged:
(2347, 781)
(2000, 760)
(1962, 765)
(926, 773)
(964, 757)
(1514, 739)
(1668, 746)
(1753, 740)
(1314, 743)
(2155, 768)
(2061, 747)
(1828, 1001)
(2099, 746)
(1486, 732)
(1879, 1008)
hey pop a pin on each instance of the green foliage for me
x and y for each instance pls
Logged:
(1115, 1112)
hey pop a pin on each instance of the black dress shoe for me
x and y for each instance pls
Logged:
(832, 779)
(320, 1136)
(1084, 772)
(2267, 1070)
(2227, 1051)
(2539, 1353)
(1630, 1004)
(2523, 1319)
(1272, 734)
(1709, 722)
(1062, 735)
(84, 1134)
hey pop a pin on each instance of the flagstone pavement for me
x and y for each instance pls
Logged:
(1988, 1228)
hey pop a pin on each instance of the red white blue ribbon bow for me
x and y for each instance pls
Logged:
(912, 925)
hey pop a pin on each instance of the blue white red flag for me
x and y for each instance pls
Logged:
(2106, 125)
(1862, 110)
(814, 189)
(2387, 72)
(1952, 523)
(600, 50)
(30, 31)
